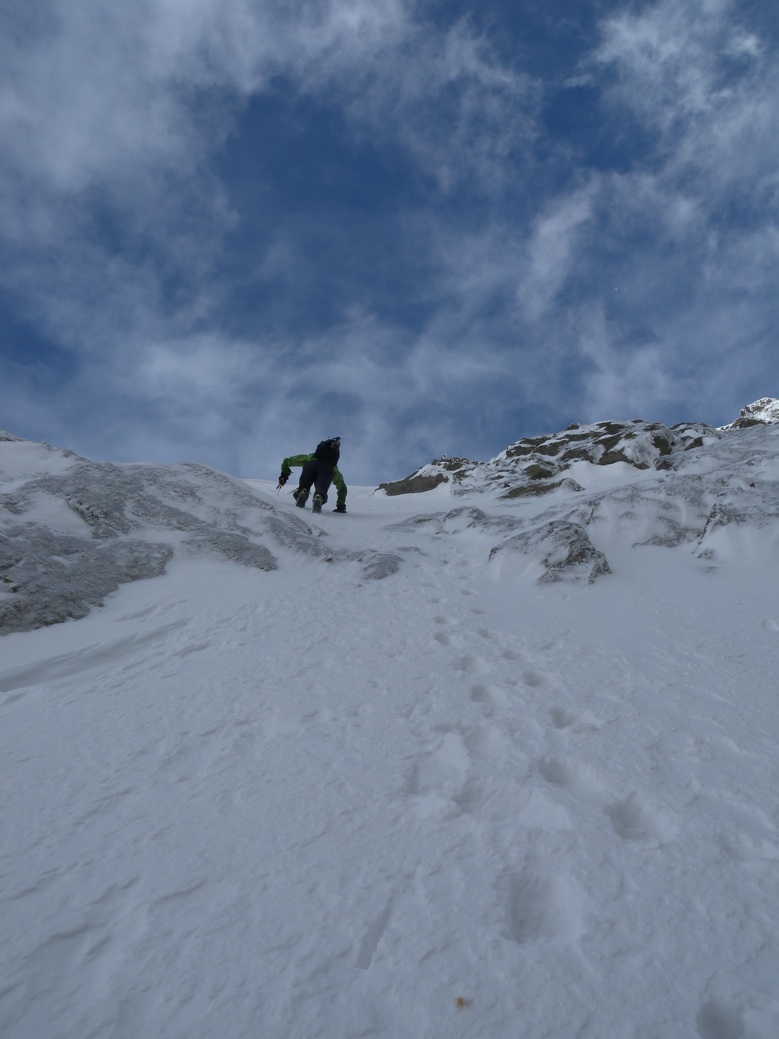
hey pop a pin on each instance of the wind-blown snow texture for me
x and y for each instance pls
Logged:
(76, 532)
(494, 760)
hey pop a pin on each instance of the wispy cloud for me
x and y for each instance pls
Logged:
(551, 251)
(502, 273)
(463, 114)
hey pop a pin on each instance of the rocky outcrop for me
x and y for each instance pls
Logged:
(417, 483)
(560, 547)
(563, 550)
(539, 465)
(709, 503)
(761, 412)
(535, 466)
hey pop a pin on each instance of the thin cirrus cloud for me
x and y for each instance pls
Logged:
(227, 228)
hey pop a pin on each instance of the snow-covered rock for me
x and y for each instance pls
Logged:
(602, 488)
(73, 530)
(764, 410)
(563, 549)
(537, 465)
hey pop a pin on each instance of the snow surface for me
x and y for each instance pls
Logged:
(451, 802)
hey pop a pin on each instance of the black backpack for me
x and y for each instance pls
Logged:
(329, 450)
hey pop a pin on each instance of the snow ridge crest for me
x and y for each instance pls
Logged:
(536, 466)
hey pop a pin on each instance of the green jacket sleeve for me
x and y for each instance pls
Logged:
(340, 486)
(286, 465)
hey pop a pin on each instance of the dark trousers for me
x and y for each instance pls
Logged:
(318, 473)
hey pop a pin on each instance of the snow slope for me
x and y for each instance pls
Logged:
(429, 773)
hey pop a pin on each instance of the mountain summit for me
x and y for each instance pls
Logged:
(764, 410)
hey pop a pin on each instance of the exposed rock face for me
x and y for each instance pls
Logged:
(692, 488)
(563, 549)
(762, 411)
(417, 483)
(537, 465)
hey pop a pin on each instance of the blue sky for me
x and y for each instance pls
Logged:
(227, 230)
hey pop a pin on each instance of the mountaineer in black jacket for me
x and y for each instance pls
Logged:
(320, 469)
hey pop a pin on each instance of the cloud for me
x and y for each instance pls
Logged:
(111, 92)
(412, 252)
(112, 119)
(705, 86)
(461, 112)
(551, 251)
(115, 114)
(677, 62)
(111, 200)
(94, 87)
(82, 100)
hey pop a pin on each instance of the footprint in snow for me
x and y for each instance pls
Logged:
(749, 833)
(634, 819)
(442, 770)
(511, 654)
(716, 1021)
(748, 847)
(453, 751)
(473, 665)
(566, 773)
(565, 719)
(491, 695)
(541, 906)
(562, 719)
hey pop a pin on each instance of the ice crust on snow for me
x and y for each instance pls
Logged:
(463, 800)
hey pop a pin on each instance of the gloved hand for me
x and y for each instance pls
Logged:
(340, 508)
(282, 480)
